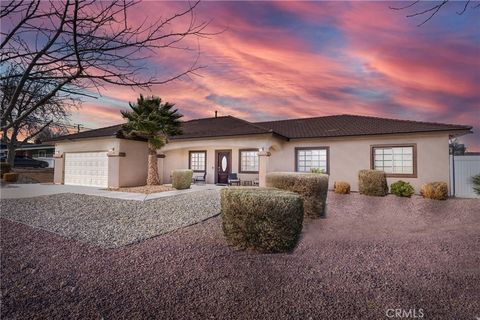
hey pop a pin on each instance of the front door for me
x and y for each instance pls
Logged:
(224, 162)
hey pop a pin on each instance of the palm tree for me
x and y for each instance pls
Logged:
(154, 121)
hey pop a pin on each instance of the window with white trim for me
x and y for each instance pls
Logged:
(315, 158)
(198, 161)
(248, 160)
(394, 160)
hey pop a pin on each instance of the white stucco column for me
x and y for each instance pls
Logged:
(262, 168)
(58, 168)
(160, 161)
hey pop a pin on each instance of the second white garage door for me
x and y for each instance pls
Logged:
(86, 169)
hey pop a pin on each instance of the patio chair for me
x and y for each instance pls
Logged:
(202, 179)
(233, 179)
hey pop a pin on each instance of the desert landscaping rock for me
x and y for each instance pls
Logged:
(366, 256)
(111, 222)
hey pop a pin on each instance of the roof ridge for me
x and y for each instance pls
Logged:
(252, 124)
(405, 120)
(306, 118)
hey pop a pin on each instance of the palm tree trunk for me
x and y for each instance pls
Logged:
(152, 177)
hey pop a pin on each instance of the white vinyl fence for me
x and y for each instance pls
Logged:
(462, 169)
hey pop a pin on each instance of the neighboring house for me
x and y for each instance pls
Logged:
(37, 151)
(342, 145)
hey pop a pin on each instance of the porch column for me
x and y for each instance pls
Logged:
(263, 168)
(160, 160)
(58, 168)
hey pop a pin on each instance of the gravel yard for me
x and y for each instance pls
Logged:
(367, 256)
(111, 222)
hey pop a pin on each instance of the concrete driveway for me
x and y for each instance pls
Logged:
(17, 191)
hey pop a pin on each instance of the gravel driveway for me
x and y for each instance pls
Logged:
(367, 256)
(111, 222)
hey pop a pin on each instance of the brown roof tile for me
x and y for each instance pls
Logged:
(319, 127)
(351, 125)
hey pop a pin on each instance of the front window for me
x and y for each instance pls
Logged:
(312, 158)
(249, 161)
(394, 159)
(198, 161)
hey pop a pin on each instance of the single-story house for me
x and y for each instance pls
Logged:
(38, 151)
(341, 145)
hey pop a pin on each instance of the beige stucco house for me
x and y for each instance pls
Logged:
(341, 145)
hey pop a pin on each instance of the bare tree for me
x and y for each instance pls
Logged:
(432, 8)
(75, 47)
(50, 115)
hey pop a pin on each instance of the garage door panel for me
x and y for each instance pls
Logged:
(86, 169)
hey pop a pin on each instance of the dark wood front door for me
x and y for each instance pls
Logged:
(224, 166)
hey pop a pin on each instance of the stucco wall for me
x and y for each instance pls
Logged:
(177, 152)
(130, 170)
(349, 155)
(134, 166)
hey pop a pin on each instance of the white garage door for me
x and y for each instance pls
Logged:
(86, 169)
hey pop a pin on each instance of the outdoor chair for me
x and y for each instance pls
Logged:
(202, 179)
(233, 179)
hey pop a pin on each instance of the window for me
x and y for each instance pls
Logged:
(395, 160)
(42, 154)
(311, 158)
(249, 161)
(198, 161)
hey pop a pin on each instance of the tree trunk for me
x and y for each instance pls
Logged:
(11, 153)
(152, 177)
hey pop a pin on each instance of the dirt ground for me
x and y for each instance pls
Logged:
(368, 256)
(144, 189)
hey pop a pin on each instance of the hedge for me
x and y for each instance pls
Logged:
(313, 188)
(372, 183)
(10, 177)
(435, 190)
(182, 179)
(263, 219)
(341, 187)
(402, 189)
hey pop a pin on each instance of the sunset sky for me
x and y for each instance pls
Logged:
(278, 60)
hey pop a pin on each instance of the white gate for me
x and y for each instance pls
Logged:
(462, 169)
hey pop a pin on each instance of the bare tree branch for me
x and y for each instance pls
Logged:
(81, 45)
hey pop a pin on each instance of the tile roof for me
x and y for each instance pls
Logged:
(219, 127)
(352, 125)
(319, 127)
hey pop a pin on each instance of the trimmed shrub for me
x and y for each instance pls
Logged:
(341, 187)
(402, 189)
(476, 184)
(372, 183)
(182, 179)
(264, 219)
(313, 188)
(10, 177)
(435, 190)
(4, 168)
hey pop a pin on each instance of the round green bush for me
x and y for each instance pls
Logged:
(182, 179)
(313, 187)
(263, 219)
(402, 189)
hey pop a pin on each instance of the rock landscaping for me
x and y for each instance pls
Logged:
(108, 222)
(369, 254)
